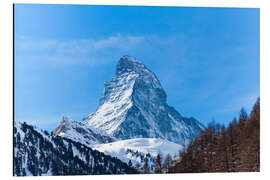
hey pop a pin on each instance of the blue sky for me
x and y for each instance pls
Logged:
(207, 59)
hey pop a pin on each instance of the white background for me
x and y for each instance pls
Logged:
(6, 85)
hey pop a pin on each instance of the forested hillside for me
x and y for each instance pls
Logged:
(235, 148)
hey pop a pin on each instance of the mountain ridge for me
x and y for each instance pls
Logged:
(79, 132)
(37, 153)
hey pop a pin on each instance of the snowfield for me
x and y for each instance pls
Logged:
(153, 146)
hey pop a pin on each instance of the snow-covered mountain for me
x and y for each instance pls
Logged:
(134, 105)
(132, 124)
(80, 132)
(36, 152)
(137, 149)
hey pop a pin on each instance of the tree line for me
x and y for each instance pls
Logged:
(235, 148)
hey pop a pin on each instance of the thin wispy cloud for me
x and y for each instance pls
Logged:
(77, 51)
(86, 45)
(36, 53)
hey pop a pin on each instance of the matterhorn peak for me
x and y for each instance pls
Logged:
(133, 105)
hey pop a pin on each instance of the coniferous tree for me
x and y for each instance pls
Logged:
(130, 163)
(158, 164)
(146, 166)
(167, 162)
(137, 166)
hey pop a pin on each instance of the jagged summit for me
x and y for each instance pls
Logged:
(129, 58)
(128, 64)
(133, 105)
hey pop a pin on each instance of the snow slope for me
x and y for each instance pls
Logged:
(144, 146)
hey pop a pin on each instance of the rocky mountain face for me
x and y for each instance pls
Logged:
(133, 105)
(39, 153)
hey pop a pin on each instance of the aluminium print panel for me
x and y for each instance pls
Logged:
(135, 90)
